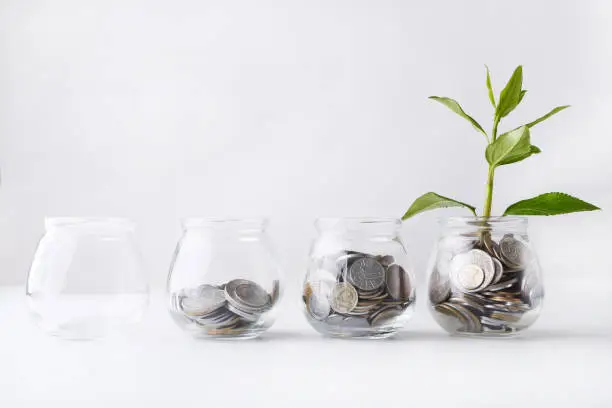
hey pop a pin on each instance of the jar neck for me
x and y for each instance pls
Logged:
(365, 226)
(497, 225)
(227, 226)
(90, 225)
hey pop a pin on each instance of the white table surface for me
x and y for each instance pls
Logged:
(156, 364)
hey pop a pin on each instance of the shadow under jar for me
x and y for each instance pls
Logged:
(86, 278)
(359, 283)
(224, 281)
(485, 279)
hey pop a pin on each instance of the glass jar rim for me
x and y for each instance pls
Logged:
(479, 218)
(247, 223)
(497, 222)
(90, 221)
(361, 220)
(325, 223)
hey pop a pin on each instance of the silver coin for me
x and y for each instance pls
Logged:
(385, 260)
(439, 289)
(454, 320)
(366, 274)
(470, 277)
(230, 321)
(502, 285)
(476, 257)
(398, 283)
(385, 316)
(225, 324)
(492, 322)
(246, 294)
(251, 317)
(374, 295)
(343, 297)
(275, 291)
(499, 270)
(512, 251)
(532, 290)
(474, 325)
(476, 297)
(485, 262)
(319, 307)
(202, 300)
(507, 317)
(467, 302)
(488, 242)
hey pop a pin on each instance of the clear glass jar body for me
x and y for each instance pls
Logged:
(86, 278)
(224, 281)
(485, 279)
(359, 281)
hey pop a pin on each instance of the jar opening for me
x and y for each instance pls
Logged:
(498, 222)
(90, 223)
(358, 223)
(238, 224)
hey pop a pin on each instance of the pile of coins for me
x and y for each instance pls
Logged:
(228, 309)
(488, 290)
(368, 291)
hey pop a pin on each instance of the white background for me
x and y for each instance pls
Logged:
(158, 110)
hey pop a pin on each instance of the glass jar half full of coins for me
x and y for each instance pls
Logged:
(485, 279)
(359, 282)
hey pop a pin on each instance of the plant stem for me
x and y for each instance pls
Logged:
(491, 176)
(495, 123)
(489, 196)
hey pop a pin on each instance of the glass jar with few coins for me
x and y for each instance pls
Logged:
(485, 279)
(359, 282)
(224, 281)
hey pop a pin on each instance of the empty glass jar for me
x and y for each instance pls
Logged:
(484, 277)
(86, 278)
(359, 282)
(224, 281)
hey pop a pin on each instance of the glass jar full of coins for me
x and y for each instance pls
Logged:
(359, 282)
(224, 281)
(485, 278)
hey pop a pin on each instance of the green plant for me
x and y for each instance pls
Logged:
(507, 148)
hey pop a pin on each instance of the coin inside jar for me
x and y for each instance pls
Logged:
(499, 270)
(398, 283)
(245, 294)
(366, 274)
(203, 300)
(512, 251)
(343, 297)
(470, 277)
(319, 307)
(253, 295)
(231, 308)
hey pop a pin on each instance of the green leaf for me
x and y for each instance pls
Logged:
(549, 204)
(432, 201)
(548, 115)
(490, 88)
(455, 107)
(523, 92)
(510, 96)
(509, 146)
(513, 159)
